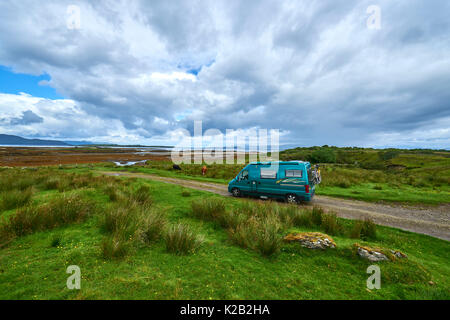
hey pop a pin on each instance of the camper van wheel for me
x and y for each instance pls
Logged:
(291, 198)
(236, 192)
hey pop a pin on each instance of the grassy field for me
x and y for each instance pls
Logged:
(140, 239)
(412, 179)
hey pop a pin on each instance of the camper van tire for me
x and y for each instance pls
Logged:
(236, 192)
(291, 198)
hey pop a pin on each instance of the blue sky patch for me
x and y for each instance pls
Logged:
(15, 83)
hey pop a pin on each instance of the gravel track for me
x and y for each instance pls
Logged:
(430, 220)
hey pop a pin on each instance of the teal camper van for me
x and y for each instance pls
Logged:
(293, 181)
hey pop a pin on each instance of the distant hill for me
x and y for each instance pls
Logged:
(6, 139)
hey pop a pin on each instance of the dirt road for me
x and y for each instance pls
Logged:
(433, 221)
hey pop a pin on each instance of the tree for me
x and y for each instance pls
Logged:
(323, 155)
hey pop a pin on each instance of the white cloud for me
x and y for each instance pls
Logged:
(310, 69)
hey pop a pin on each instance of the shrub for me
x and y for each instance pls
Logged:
(388, 155)
(181, 240)
(322, 155)
(15, 199)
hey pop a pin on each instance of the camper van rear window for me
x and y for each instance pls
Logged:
(294, 173)
(268, 174)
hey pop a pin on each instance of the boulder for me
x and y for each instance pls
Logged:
(378, 254)
(398, 254)
(311, 240)
(371, 255)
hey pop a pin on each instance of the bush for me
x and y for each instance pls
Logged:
(185, 194)
(15, 199)
(322, 155)
(372, 164)
(388, 155)
(181, 240)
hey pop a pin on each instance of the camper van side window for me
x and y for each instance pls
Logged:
(244, 175)
(268, 174)
(294, 173)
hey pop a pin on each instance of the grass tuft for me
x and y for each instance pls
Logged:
(209, 209)
(330, 224)
(152, 227)
(115, 247)
(15, 198)
(180, 240)
(62, 211)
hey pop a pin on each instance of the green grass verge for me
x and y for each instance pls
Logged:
(34, 266)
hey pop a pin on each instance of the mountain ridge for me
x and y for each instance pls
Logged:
(7, 139)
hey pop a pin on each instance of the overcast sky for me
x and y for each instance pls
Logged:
(139, 71)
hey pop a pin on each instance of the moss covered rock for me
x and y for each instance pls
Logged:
(311, 240)
(378, 254)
